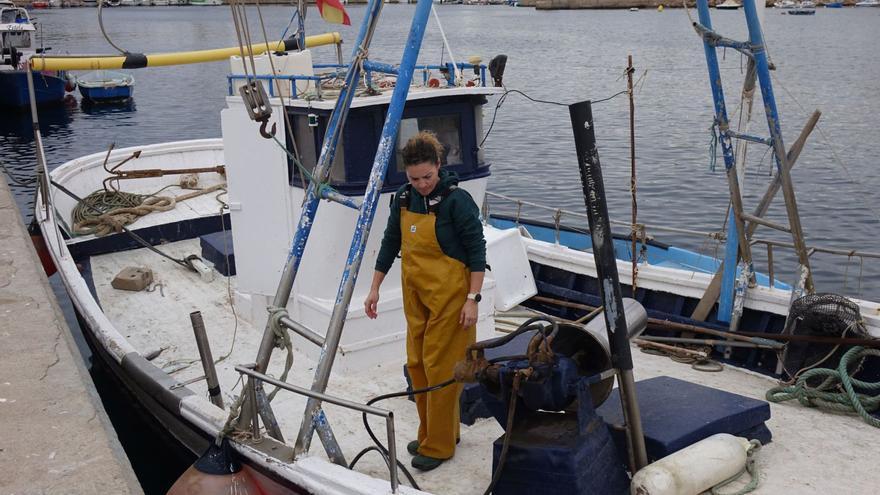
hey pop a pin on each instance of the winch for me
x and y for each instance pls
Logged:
(542, 383)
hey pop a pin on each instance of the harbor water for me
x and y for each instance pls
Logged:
(828, 62)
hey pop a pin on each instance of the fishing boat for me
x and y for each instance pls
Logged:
(105, 86)
(729, 5)
(210, 260)
(16, 38)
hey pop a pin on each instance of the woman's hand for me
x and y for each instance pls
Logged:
(371, 303)
(468, 316)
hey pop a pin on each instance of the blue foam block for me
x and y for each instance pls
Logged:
(676, 413)
(217, 248)
(548, 454)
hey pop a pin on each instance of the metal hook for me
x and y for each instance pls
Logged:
(267, 135)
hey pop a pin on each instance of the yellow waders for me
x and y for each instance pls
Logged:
(435, 288)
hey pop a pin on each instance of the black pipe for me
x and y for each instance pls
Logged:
(600, 231)
(606, 269)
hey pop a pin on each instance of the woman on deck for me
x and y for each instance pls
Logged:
(436, 227)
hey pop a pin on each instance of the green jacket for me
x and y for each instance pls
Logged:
(458, 227)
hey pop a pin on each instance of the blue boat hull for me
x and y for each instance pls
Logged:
(108, 94)
(14, 88)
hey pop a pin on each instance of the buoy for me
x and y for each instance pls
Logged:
(216, 472)
(433, 82)
(42, 250)
(694, 469)
(660, 8)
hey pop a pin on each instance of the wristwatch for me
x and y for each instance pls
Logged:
(475, 297)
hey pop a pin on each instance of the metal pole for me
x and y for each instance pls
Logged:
(204, 346)
(606, 269)
(632, 173)
(756, 38)
(313, 196)
(255, 415)
(736, 244)
(365, 220)
(392, 451)
(711, 295)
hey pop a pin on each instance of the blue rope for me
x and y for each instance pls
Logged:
(713, 145)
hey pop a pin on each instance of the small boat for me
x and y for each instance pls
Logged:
(729, 5)
(868, 3)
(103, 86)
(40, 4)
(16, 37)
(834, 5)
(785, 4)
(800, 11)
(205, 3)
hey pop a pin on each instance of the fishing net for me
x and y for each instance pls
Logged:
(821, 315)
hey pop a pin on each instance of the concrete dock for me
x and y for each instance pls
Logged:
(54, 434)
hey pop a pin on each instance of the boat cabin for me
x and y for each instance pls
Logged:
(15, 33)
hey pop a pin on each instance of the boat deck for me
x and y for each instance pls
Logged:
(815, 452)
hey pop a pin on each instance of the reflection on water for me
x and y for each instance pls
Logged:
(89, 107)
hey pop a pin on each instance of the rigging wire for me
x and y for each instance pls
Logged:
(507, 92)
(103, 32)
(836, 158)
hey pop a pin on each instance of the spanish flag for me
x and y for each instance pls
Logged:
(333, 12)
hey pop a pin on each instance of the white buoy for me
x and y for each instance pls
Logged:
(694, 469)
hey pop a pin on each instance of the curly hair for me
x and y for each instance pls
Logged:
(423, 147)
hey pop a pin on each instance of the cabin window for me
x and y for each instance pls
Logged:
(307, 140)
(448, 131)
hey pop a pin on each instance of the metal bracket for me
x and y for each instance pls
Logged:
(256, 102)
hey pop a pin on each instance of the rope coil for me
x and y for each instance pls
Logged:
(822, 396)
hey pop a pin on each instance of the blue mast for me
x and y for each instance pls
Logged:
(367, 212)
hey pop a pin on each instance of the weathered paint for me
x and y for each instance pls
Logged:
(725, 301)
(365, 218)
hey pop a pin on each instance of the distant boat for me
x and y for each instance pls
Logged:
(205, 3)
(785, 4)
(834, 5)
(16, 37)
(729, 5)
(106, 86)
(868, 3)
(801, 11)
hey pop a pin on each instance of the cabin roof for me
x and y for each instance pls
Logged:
(415, 93)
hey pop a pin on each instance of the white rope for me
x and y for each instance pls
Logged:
(456, 71)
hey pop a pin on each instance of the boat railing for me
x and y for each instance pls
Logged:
(447, 70)
(260, 408)
(642, 232)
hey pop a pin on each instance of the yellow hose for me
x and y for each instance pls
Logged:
(138, 60)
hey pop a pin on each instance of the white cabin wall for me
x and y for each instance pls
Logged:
(264, 211)
(259, 207)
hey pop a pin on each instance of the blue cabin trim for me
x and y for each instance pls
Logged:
(360, 138)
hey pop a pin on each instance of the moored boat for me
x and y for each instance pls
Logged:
(106, 86)
(247, 234)
(728, 5)
(16, 39)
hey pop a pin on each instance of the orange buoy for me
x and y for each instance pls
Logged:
(433, 82)
(216, 472)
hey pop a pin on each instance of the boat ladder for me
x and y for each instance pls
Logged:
(314, 419)
(732, 288)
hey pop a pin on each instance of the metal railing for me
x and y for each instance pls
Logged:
(257, 379)
(643, 228)
(447, 70)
